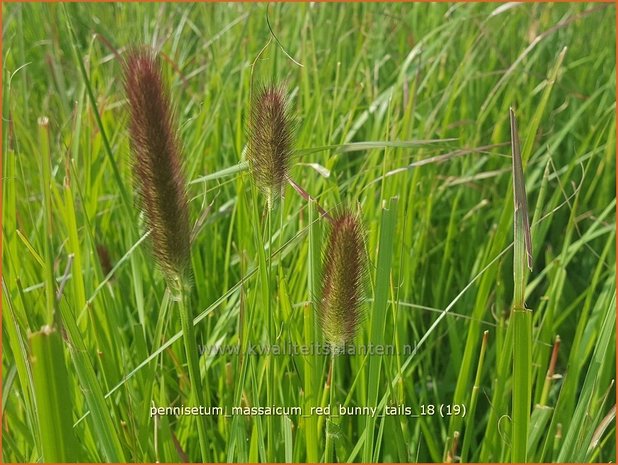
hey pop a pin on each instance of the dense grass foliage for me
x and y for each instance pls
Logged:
(400, 113)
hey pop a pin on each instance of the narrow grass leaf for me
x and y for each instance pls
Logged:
(378, 317)
(51, 390)
(520, 316)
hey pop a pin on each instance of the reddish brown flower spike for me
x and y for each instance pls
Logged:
(157, 165)
(270, 141)
(345, 267)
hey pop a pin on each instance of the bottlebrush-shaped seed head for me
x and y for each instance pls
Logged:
(157, 164)
(344, 271)
(270, 141)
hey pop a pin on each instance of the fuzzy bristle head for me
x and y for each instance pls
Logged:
(157, 164)
(344, 271)
(270, 141)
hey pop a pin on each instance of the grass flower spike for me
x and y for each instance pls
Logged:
(345, 267)
(270, 141)
(157, 164)
(157, 168)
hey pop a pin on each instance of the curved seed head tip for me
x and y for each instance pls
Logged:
(270, 141)
(157, 164)
(343, 279)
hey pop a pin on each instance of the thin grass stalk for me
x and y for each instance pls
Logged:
(520, 317)
(467, 441)
(522, 360)
(330, 424)
(324, 399)
(492, 442)
(186, 321)
(310, 369)
(45, 155)
(270, 383)
(309, 390)
(550, 372)
(261, 244)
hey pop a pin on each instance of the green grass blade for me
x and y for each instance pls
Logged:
(520, 317)
(378, 317)
(311, 362)
(581, 429)
(51, 389)
(100, 417)
(470, 424)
